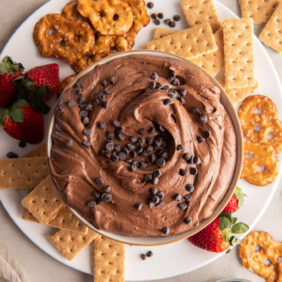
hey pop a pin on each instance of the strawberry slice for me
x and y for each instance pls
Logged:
(218, 235)
(8, 72)
(46, 75)
(23, 122)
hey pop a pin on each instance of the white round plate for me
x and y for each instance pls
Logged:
(169, 260)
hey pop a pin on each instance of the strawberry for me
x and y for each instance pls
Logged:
(217, 236)
(23, 122)
(46, 75)
(8, 72)
(236, 201)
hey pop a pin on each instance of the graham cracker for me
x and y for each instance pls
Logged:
(70, 243)
(39, 151)
(271, 34)
(188, 43)
(238, 53)
(200, 11)
(26, 215)
(259, 10)
(160, 32)
(237, 94)
(109, 258)
(43, 201)
(22, 172)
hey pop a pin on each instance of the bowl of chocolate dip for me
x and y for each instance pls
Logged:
(145, 147)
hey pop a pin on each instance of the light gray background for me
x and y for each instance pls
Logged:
(41, 267)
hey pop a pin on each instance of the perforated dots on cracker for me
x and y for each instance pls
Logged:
(160, 32)
(200, 11)
(271, 35)
(109, 258)
(22, 172)
(187, 43)
(238, 53)
(259, 10)
(39, 151)
(43, 202)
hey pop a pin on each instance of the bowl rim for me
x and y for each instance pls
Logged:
(159, 240)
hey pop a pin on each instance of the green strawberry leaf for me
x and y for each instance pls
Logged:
(17, 114)
(240, 196)
(234, 241)
(3, 113)
(20, 103)
(239, 228)
(224, 223)
(8, 66)
(234, 220)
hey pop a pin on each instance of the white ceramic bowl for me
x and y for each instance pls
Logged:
(154, 241)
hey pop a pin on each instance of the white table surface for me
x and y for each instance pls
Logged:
(41, 267)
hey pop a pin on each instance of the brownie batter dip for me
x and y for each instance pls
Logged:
(142, 146)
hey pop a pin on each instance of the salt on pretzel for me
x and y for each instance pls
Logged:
(63, 38)
(260, 253)
(70, 11)
(113, 17)
(260, 163)
(260, 124)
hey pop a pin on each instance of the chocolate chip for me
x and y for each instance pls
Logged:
(164, 155)
(138, 206)
(117, 148)
(88, 107)
(148, 177)
(106, 197)
(60, 109)
(156, 173)
(157, 143)
(150, 5)
(114, 157)
(106, 92)
(160, 162)
(206, 134)
(109, 146)
(193, 171)
(155, 181)
(143, 256)
(181, 100)
(133, 154)
(160, 194)
(122, 156)
(132, 168)
(166, 230)
(152, 158)
(139, 151)
(149, 140)
(151, 130)
(12, 155)
(142, 165)
(83, 113)
(118, 130)
(133, 139)
(186, 156)
(200, 139)
(141, 131)
(130, 147)
(86, 143)
(157, 22)
(91, 204)
(154, 76)
(182, 206)
(195, 111)
(182, 172)
(153, 16)
(99, 180)
(107, 188)
(204, 119)
(175, 82)
(187, 220)
(141, 140)
(22, 144)
(78, 91)
(110, 135)
(165, 87)
(129, 161)
(149, 253)
(112, 80)
(99, 201)
(196, 160)
(101, 125)
(155, 199)
(96, 194)
(161, 128)
(160, 204)
(182, 92)
(149, 148)
(152, 85)
(189, 187)
(168, 101)
(82, 106)
(167, 21)
(71, 103)
(120, 136)
(160, 15)
(158, 85)
(179, 147)
(176, 18)
(116, 123)
(135, 163)
(105, 104)
(104, 83)
(187, 197)
(177, 197)
(125, 150)
(153, 190)
(69, 143)
(171, 24)
(81, 100)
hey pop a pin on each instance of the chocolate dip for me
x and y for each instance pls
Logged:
(142, 146)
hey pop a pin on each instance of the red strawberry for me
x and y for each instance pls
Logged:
(236, 201)
(23, 122)
(46, 75)
(8, 72)
(217, 236)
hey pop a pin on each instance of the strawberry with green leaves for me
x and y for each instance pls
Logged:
(8, 72)
(219, 235)
(236, 201)
(23, 122)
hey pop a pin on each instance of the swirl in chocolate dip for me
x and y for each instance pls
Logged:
(142, 146)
